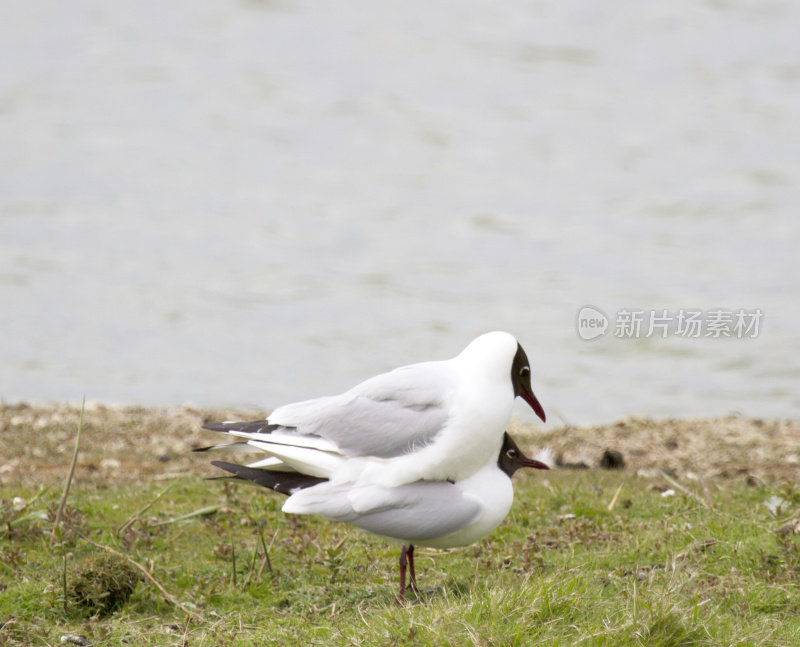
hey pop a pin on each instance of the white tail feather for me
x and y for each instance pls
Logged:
(295, 440)
(303, 459)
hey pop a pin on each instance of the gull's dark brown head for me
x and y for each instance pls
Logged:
(521, 380)
(511, 458)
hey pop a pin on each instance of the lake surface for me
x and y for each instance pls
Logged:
(246, 203)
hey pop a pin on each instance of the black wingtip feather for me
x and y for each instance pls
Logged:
(283, 482)
(213, 447)
(253, 427)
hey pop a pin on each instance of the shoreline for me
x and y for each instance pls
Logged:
(121, 443)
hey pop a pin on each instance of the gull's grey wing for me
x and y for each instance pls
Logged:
(413, 512)
(385, 416)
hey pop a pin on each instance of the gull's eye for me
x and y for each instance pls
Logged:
(511, 453)
(525, 371)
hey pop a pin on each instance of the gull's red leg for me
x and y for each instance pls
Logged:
(411, 572)
(401, 598)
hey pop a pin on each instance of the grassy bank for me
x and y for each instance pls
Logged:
(706, 555)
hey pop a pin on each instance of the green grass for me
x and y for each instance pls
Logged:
(562, 570)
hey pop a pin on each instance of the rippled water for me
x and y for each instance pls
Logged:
(253, 202)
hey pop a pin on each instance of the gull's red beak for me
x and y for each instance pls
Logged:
(530, 462)
(530, 398)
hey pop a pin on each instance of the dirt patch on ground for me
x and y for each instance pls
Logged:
(730, 447)
(135, 443)
(117, 443)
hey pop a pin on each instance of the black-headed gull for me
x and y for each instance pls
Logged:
(435, 421)
(440, 514)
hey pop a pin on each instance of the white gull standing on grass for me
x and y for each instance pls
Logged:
(439, 514)
(434, 421)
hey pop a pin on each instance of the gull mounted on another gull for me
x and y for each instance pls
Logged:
(435, 421)
(439, 514)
